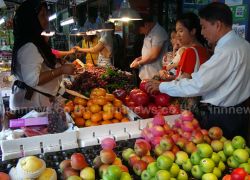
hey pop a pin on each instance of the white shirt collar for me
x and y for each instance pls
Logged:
(153, 29)
(224, 39)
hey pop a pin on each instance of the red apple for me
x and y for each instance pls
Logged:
(162, 99)
(155, 141)
(64, 164)
(215, 133)
(148, 159)
(69, 171)
(141, 148)
(4, 176)
(153, 108)
(187, 126)
(238, 174)
(108, 143)
(123, 168)
(159, 120)
(197, 137)
(139, 166)
(174, 109)
(143, 112)
(187, 115)
(78, 161)
(157, 131)
(97, 162)
(107, 156)
(132, 159)
(190, 147)
(142, 85)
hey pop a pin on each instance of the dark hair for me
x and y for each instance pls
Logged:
(146, 18)
(191, 21)
(27, 28)
(217, 12)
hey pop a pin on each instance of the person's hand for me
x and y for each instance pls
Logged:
(152, 86)
(135, 63)
(76, 48)
(68, 69)
(72, 50)
(163, 74)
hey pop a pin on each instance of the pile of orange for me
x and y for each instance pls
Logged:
(101, 108)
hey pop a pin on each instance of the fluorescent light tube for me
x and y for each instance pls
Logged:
(52, 17)
(67, 21)
(2, 21)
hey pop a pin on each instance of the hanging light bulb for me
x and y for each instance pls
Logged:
(125, 13)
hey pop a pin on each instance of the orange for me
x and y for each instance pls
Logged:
(95, 108)
(78, 110)
(79, 121)
(87, 114)
(115, 121)
(81, 101)
(124, 110)
(108, 107)
(68, 108)
(101, 100)
(96, 117)
(110, 97)
(107, 115)
(106, 122)
(117, 103)
(90, 102)
(118, 115)
(88, 123)
(94, 124)
(69, 103)
(100, 92)
(125, 119)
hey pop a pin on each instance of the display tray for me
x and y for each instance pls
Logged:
(53, 159)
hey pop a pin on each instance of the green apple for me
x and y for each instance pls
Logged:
(248, 161)
(209, 176)
(217, 145)
(238, 142)
(102, 169)
(187, 166)
(181, 157)
(114, 172)
(163, 175)
(182, 175)
(126, 153)
(246, 167)
(222, 166)
(216, 158)
(196, 171)
(125, 176)
(248, 150)
(223, 139)
(241, 155)
(152, 168)
(207, 165)
(88, 173)
(232, 162)
(195, 158)
(174, 170)
(145, 175)
(222, 156)
(164, 162)
(217, 172)
(204, 150)
(169, 154)
(228, 148)
(158, 150)
(172, 178)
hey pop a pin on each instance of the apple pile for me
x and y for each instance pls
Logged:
(109, 166)
(139, 157)
(237, 174)
(147, 105)
(76, 168)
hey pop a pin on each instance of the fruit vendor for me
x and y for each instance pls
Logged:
(154, 47)
(37, 75)
(223, 80)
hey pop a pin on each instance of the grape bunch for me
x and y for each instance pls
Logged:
(108, 78)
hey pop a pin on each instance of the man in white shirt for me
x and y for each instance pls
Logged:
(154, 46)
(223, 81)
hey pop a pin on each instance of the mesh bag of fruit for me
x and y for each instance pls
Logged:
(57, 121)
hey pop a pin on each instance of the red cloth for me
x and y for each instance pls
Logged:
(188, 59)
(56, 53)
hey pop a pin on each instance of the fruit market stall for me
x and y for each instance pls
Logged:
(160, 147)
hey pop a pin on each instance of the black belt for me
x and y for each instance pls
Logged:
(29, 90)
